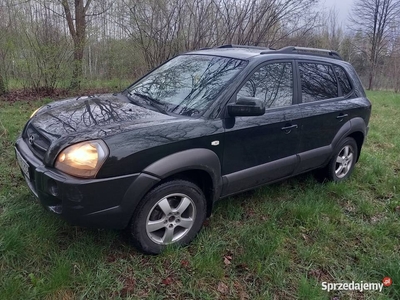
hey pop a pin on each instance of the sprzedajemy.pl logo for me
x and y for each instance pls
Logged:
(357, 286)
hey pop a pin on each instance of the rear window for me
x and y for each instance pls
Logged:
(343, 79)
(318, 82)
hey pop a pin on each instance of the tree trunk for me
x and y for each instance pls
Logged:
(77, 66)
(3, 89)
(371, 80)
(77, 29)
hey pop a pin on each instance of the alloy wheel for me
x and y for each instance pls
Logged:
(170, 219)
(344, 161)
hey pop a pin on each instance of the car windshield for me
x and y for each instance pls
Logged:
(187, 84)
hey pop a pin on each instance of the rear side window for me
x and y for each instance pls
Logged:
(344, 81)
(318, 82)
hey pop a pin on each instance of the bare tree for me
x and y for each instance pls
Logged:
(326, 33)
(332, 32)
(46, 44)
(77, 13)
(77, 29)
(48, 55)
(374, 18)
(5, 48)
(3, 54)
(164, 28)
(392, 63)
(264, 23)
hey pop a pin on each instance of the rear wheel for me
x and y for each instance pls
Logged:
(343, 161)
(172, 213)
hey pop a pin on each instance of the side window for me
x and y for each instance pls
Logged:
(272, 83)
(344, 81)
(318, 82)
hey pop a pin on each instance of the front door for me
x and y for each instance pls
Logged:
(263, 148)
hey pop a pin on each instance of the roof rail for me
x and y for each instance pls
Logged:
(307, 51)
(243, 46)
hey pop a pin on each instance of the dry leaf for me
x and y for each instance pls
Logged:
(167, 281)
(222, 288)
(244, 296)
(227, 260)
(184, 263)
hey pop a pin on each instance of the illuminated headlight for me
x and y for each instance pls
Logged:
(34, 113)
(83, 159)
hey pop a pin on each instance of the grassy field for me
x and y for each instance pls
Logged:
(278, 242)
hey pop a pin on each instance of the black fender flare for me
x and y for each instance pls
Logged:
(192, 159)
(354, 125)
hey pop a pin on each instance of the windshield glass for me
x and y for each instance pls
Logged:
(187, 84)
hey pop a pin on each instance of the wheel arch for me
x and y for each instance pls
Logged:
(358, 136)
(355, 128)
(199, 177)
(201, 166)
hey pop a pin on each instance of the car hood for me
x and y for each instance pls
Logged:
(93, 117)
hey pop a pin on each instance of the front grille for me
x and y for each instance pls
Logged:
(36, 141)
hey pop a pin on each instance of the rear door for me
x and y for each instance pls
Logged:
(326, 107)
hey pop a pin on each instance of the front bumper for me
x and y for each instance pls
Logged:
(100, 203)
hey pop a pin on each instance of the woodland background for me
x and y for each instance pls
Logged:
(48, 45)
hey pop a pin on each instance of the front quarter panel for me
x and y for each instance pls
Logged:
(133, 151)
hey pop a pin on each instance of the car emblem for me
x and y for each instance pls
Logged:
(31, 139)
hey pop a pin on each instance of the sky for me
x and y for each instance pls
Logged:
(342, 6)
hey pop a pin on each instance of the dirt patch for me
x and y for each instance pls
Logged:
(320, 275)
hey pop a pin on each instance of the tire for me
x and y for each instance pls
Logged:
(158, 220)
(343, 161)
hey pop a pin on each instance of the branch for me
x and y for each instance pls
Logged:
(87, 5)
(69, 18)
(52, 10)
(95, 14)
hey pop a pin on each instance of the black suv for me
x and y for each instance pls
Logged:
(204, 125)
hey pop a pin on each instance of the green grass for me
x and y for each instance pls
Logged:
(277, 242)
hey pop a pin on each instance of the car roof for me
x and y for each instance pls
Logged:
(238, 53)
(248, 52)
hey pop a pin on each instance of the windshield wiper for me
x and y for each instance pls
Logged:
(133, 100)
(150, 102)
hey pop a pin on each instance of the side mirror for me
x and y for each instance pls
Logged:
(246, 107)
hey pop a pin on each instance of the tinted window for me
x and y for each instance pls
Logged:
(344, 81)
(318, 82)
(272, 83)
(187, 84)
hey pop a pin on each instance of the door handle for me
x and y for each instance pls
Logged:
(342, 116)
(290, 127)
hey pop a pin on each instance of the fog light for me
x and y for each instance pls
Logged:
(52, 187)
(74, 194)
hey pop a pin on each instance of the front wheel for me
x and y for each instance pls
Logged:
(172, 213)
(343, 161)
